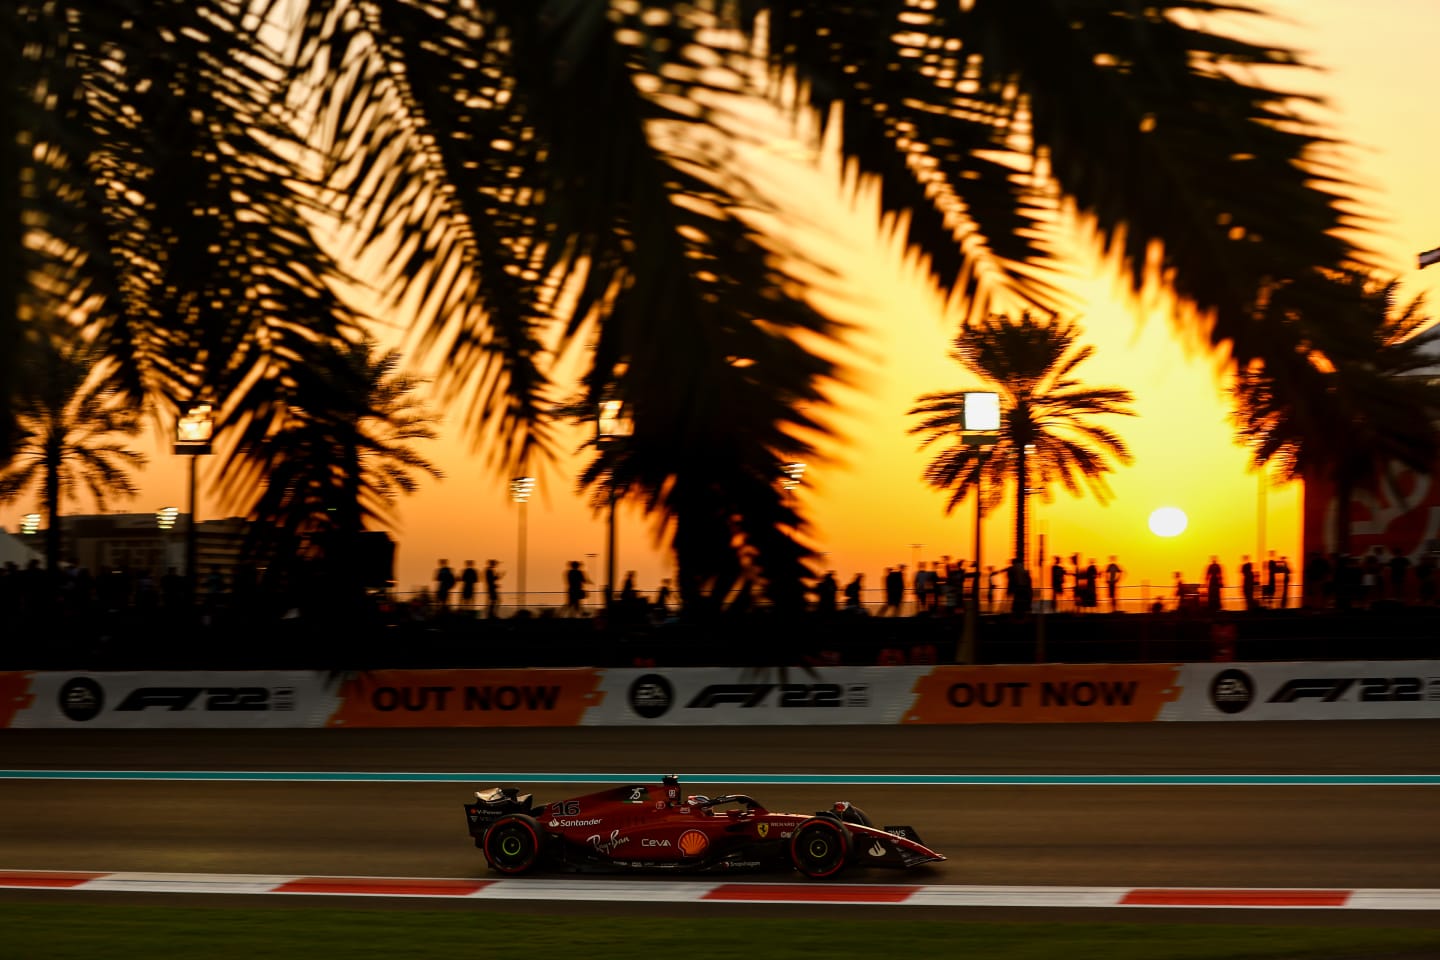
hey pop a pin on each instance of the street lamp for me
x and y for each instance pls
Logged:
(165, 519)
(30, 524)
(791, 475)
(980, 428)
(612, 423)
(520, 490)
(193, 433)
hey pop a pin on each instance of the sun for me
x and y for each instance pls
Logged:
(1168, 522)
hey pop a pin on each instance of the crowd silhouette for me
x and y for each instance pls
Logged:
(141, 618)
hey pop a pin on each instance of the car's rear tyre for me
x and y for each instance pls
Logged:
(820, 847)
(512, 844)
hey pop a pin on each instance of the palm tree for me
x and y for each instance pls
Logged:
(68, 425)
(560, 163)
(323, 471)
(168, 203)
(1351, 407)
(1046, 437)
(526, 174)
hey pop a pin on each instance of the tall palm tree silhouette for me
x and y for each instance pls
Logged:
(1047, 435)
(515, 177)
(323, 469)
(1352, 406)
(73, 434)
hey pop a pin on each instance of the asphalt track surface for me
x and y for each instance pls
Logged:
(1185, 836)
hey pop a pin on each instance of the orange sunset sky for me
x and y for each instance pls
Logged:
(867, 503)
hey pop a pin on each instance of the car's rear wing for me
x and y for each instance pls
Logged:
(490, 805)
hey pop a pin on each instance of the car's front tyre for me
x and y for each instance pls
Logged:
(512, 844)
(820, 847)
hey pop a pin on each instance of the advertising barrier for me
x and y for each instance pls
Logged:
(730, 696)
(1040, 693)
(466, 698)
(1353, 690)
(1044, 693)
(195, 700)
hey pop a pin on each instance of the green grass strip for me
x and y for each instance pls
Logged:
(91, 932)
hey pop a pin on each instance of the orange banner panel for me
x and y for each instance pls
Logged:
(1045, 693)
(15, 696)
(467, 698)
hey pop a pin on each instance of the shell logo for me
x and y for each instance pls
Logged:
(692, 843)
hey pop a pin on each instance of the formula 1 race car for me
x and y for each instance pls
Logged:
(645, 828)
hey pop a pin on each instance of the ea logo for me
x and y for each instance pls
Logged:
(1231, 691)
(81, 699)
(651, 696)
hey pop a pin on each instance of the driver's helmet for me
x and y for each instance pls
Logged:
(671, 783)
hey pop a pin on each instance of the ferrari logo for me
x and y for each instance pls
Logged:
(763, 829)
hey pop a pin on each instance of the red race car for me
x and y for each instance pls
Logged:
(647, 828)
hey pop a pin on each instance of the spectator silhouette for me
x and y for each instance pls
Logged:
(954, 586)
(826, 592)
(924, 579)
(1247, 582)
(575, 582)
(492, 588)
(1091, 574)
(853, 591)
(1057, 583)
(894, 591)
(1214, 583)
(1017, 584)
(469, 577)
(1113, 573)
(444, 583)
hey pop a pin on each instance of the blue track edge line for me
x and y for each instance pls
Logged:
(777, 779)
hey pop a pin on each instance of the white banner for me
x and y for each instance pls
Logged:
(723, 695)
(1349, 690)
(208, 699)
(718, 696)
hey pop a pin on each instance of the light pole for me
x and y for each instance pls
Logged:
(165, 519)
(980, 429)
(919, 585)
(1261, 502)
(520, 489)
(794, 472)
(612, 423)
(193, 432)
